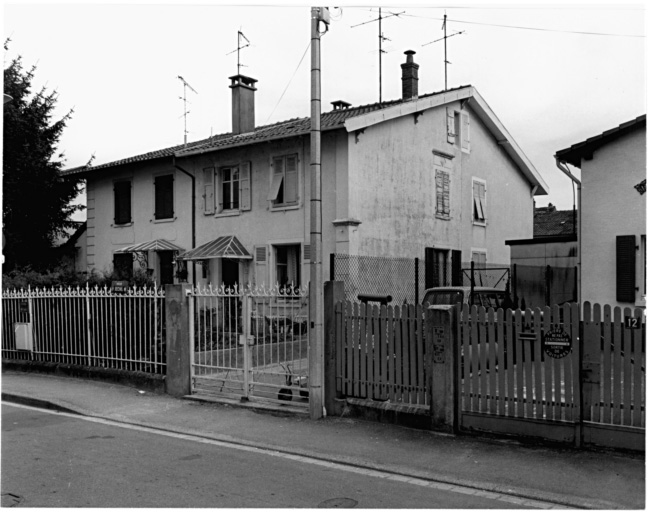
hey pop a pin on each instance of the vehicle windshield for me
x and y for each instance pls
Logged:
(443, 298)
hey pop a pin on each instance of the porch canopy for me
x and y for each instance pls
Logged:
(222, 247)
(153, 245)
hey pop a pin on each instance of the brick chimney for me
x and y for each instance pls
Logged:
(410, 77)
(242, 103)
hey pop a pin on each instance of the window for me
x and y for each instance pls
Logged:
(284, 189)
(479, 258)
(479, 201)
(437, 269)
(442, 194)
(462, 130)
(122, 191)
(230, 188)
(287, 265)
(123, 266)
(164, 197)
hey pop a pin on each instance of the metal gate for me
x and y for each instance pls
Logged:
(250, 343)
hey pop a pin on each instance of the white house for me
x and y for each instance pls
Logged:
(613, 214)
(435, 175)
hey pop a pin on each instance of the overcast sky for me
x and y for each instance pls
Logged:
(554, 74)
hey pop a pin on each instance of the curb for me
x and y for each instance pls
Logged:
(517, 492)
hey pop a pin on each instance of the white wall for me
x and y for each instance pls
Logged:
(611, 206)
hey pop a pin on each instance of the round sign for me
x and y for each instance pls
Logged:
(557, 343)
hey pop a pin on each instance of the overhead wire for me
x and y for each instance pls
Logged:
(290, 81)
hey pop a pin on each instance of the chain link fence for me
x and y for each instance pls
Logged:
(401, 278)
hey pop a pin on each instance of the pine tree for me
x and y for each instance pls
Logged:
(36, 198)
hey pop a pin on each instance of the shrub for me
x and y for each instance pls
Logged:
(64, 277)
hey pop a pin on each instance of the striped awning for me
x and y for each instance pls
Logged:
(153, 245)
(222, 247)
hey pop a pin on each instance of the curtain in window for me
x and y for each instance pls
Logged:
(293, 268)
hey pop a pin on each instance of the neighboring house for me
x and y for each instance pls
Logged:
(545, 266)
(434, 176)
(613, 213)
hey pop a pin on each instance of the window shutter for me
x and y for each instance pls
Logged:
(446, 193)
(291, 180)
(450, 124)
(465, 132)
(245, 198)
(457, 272)
(625, 268)
(260, 258)
(208, 188)
(122, 193)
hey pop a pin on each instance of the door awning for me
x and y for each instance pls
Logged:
(153, 245)
(222, 247)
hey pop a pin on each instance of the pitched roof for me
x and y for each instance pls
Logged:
(223, 247)
(153, 245)
(576, 152)
(551, 222)
(280, 130)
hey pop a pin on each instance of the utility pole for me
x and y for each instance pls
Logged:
(316, 288)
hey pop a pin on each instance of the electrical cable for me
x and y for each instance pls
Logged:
(527, 28)
(289, 82)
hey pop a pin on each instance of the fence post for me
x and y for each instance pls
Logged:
(333, 293)
(441, 354)
(89, 324)
(472, 282)
(179, 367)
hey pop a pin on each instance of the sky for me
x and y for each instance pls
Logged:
(555, 74)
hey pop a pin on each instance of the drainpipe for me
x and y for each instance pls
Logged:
(563, 168)
(193, 215)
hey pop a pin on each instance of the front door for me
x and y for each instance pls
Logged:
(165, 260)
(229, 272)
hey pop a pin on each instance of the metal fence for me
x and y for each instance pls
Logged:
(401, 278)
(86, 326)
(250, 342)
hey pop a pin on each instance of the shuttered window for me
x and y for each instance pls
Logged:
(284, 187)
(450, 125)
(479, 201)
(442, 193)
(625, 268)
(208, 190)
(465, 132)
(122, 191)
(164, 197)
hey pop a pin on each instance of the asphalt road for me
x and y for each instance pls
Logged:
(57, 460)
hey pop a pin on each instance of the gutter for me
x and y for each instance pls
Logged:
(562, 165)
(193, 214)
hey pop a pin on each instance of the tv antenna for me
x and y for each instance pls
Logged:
(240, 45)
(381, 38)
(184, 99)
(445, 46)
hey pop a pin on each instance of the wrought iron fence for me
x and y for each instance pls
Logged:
(400, 278)
(93, 327)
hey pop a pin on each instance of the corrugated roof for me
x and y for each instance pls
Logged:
(551, 222)
(222, 247)
(153, 245)
(576, 152)
(283, 129)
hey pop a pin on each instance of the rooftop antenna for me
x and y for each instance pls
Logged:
(239, 47)
(445, 46)
(184, 99)
(381, 38)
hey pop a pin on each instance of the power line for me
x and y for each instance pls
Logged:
(529, 28)
(289, 82)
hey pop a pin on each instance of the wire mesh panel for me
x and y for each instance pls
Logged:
(491, 277)
(401, 278)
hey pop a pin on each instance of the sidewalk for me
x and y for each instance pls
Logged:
(564, 476)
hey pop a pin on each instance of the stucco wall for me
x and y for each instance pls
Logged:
(392, 190)
(611, 206)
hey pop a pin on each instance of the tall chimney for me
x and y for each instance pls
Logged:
(242, 103)
(410, 77)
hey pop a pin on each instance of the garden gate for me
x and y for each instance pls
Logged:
(250, 343)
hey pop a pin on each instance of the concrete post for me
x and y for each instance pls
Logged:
(441, 354)
(333, 293)
(178, 373)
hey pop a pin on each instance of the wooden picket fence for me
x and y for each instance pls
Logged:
(380, 353)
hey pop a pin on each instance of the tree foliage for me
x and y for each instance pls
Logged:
(36, 198)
